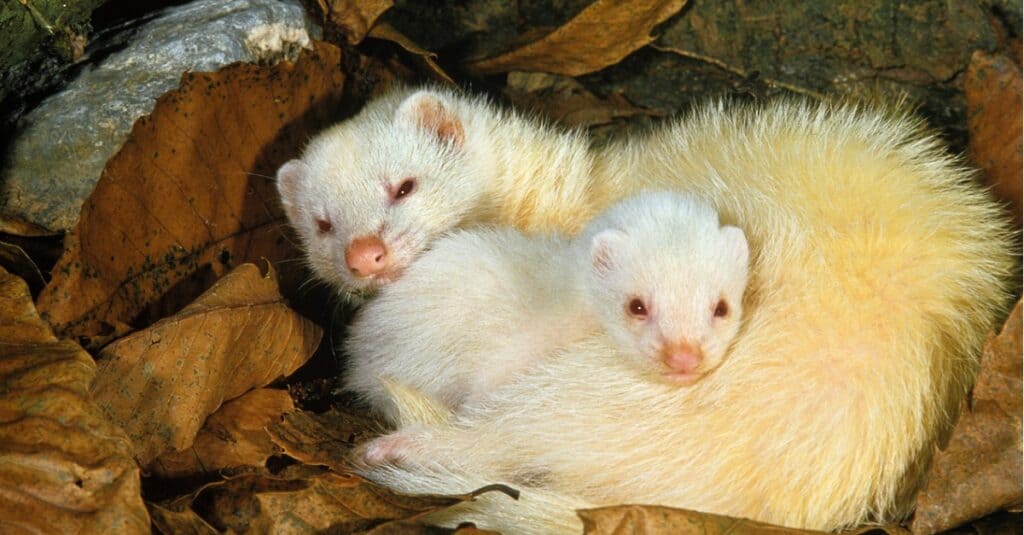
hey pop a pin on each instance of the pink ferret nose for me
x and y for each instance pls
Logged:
(366, 256)
(682, 358)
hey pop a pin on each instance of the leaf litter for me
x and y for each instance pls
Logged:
(65, 467)
(161, 383)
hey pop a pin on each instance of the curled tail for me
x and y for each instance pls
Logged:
(534, 511)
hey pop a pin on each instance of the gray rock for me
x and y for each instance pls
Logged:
(61, 147)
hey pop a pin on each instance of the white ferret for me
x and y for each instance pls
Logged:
(878, 266)
(656, 271)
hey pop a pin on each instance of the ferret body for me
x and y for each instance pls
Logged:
(484, 304)
(877, 268)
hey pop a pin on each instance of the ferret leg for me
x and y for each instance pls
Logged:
(391, 448)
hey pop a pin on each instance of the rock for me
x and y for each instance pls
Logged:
(61, 147)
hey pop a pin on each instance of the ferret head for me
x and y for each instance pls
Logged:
(369, 194)
(668, 282)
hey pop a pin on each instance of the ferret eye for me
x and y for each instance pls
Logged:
(636, 308)
(405, 188)
(721, 309)
(324, 225)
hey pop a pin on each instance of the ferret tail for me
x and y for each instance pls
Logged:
(411, 407)
(496, 507)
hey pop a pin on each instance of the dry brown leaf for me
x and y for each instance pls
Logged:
(980, 470)
(323, 439)
(602, 34)
(653, 519)
(387, 32)
(355, 17)
(993, 89)
(65, 468)
(416, 528)
(340, 503)
(566, 100)
(178, 522)
(160, 384)
(15, 260)
(233, 436)
(190, 190)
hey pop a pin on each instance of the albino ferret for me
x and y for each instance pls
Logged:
(877, 268)
(655, 270)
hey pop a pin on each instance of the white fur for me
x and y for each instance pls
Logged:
(877, 268)
(484, 304)
(344, 174)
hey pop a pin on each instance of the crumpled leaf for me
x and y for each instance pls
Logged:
(387, 32)
(354, 17)
(15, 260)
(416, 528)
(191, 189)
(980, 470)
(602, 34)
(993, 89)
(185, 521)
(64, 469)
(654, 519)
(340, 503)
(567, 101)
(233, 436)
(323, 439)
(160, 384)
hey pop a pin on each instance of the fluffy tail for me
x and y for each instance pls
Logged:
(533, 511)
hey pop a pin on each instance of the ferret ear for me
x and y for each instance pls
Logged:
(736, 243)
(603, 247)
(288, 177)
(431, 112)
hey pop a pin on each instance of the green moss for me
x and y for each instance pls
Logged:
(32, 30)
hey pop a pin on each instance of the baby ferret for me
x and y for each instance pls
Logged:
(656, 271)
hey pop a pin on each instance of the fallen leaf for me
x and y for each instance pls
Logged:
(653, 519)
(980, 470)
(602, 34)
(330, 501)
(15, 260)
(417, 528)
(233, 436)
(323, 439)
(993, 89)
(566, 100)
(178, 522)
(190, 189)
(160, 384)
(356, 17)
(65, 468)
(387, 32)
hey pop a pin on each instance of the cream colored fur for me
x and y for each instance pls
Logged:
(483, 304)
(877, 268)
(470, 313)
(487, 175)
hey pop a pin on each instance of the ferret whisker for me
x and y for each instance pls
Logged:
(258, 175)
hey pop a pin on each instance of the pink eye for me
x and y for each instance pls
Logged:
(324, 225)
(636, 308)
(721, 309)
(405, 188)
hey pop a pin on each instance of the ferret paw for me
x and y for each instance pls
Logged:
(393, 448)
